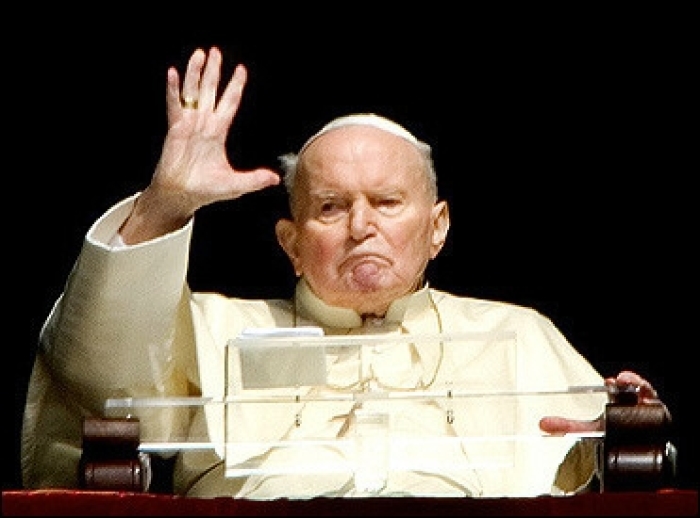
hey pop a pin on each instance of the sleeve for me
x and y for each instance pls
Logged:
(121, 328)
(551, 357)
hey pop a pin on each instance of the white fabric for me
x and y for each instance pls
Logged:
(365, 119)
(127, 325)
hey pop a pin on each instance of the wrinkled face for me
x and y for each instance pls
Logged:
(365, 223)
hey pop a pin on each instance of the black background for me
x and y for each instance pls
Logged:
(560, 138)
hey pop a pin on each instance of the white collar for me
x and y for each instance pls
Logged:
(310, 307)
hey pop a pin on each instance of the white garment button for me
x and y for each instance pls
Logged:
(373, 321)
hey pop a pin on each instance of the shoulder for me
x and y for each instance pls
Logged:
(215, 305)
(476, 307)
(463, 313)
(213, 300)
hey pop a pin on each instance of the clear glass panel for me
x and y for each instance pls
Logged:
(437, 413)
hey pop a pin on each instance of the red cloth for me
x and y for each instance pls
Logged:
(111, 503)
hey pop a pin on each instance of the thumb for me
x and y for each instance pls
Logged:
(560, 425)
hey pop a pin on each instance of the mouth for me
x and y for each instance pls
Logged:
(361, 260)
(365, 269)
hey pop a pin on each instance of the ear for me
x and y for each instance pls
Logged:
(440, 216)
(286, 232)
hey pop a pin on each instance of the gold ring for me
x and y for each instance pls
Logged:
(189, 103)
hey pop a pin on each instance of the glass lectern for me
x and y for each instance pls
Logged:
(431, 415)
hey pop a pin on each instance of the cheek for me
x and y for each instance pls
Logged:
(319, 248)
(411, 248)
(410, 239)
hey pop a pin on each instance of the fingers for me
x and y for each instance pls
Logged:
(625, 381)
(199, 88)
(256, 179)
(191, 83)
(231, 98)
(202, 77)
(176, 95)
(628, 380)
(172, 96)
(560, 425)
(208, 81)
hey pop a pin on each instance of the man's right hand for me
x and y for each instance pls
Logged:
(194, 169)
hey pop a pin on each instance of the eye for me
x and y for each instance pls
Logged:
(389, 205)
(331, 208)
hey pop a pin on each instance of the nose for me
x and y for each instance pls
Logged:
(362, 221)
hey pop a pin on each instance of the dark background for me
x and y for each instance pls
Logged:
(560, 138)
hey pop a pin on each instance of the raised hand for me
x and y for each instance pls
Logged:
(194, 169)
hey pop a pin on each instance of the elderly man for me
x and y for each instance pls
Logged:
(365, 222)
